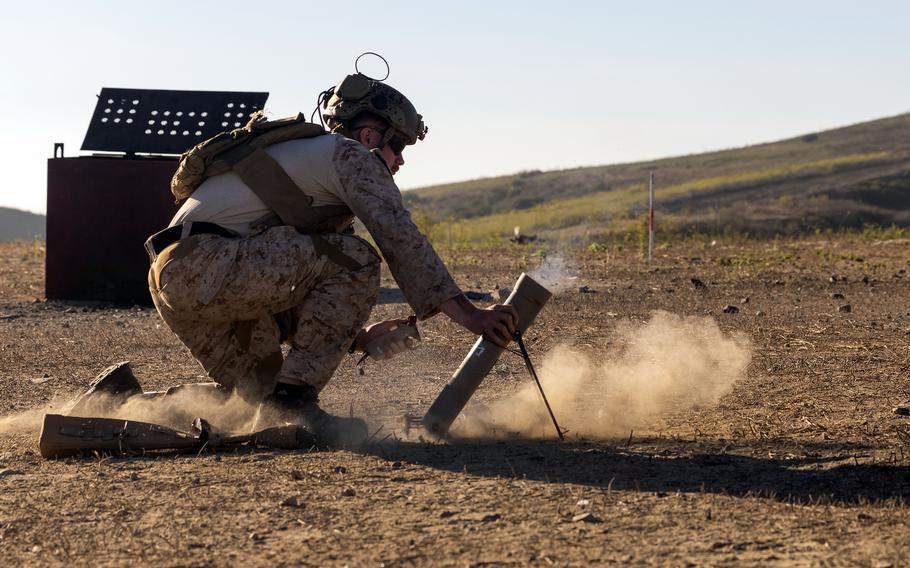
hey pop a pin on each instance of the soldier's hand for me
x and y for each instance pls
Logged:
(496, 323)
(384, 349)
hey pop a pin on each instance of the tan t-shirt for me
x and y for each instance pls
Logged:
(335, 170)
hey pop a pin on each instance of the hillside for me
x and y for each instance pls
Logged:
(20, 225)
(847, 177)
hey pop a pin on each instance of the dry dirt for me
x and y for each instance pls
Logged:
(799, 462)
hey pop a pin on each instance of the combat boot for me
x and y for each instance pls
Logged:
(113, 385)
(299, 404)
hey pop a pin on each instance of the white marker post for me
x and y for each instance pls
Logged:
(650, 215)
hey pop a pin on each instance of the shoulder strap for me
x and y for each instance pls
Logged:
(268, 180)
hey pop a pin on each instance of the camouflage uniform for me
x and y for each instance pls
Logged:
(227, 298)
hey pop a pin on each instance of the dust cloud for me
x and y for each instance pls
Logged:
(555, 273)
(23, 422)
(228, 414)
(670, 363)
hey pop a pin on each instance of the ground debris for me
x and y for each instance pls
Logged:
(698, 283)
(846, 308)
(586, 518)
(731, 309)
(294, 501)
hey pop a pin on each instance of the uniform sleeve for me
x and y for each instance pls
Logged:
(366, 186)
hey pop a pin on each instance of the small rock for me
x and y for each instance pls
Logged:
(7, 472)
(759, 313)
(777, 283)
(583, 502)
(661, 494)
(134, 476)
(296, 475)
(697, 283)
(36, 549)
(884, 564)
(446, 514)
(744, 300)
(846, 308)
(340, 469)
(256, 537)
(396, 465)
(491, 517)
(865, 518)
(293, 501)
(837, 296)
(348, 492)
(587, 290)
(695, 260)
(834, 278)
(900, 410)
(585, 518)
(731, 309)
(866, 279)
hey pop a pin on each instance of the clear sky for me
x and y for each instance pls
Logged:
(504, 86)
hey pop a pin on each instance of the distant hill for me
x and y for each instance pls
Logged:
(847, 177)
(20, 225)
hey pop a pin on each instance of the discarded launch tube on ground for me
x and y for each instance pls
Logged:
(528, 297)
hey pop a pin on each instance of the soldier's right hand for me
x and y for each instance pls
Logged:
(496, 323)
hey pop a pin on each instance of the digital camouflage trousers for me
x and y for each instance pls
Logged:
(233, 301)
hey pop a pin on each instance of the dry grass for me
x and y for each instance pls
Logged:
(800, 463)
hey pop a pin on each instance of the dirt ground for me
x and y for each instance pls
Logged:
(800, 462)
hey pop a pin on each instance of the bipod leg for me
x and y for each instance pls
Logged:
(530, 366)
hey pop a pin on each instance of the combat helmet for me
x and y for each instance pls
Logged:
(359, 93)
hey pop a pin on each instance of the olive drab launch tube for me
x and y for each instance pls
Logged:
(528, 297)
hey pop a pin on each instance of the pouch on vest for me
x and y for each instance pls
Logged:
(207, 158)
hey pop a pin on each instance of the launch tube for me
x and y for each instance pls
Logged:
(528, 297)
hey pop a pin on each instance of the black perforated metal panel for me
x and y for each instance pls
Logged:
(165, 122)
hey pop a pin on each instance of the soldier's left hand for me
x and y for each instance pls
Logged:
(380, 329)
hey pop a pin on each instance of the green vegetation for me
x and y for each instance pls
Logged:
(601, 208)
(846, 179)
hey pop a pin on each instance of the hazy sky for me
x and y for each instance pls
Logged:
(503, 86)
